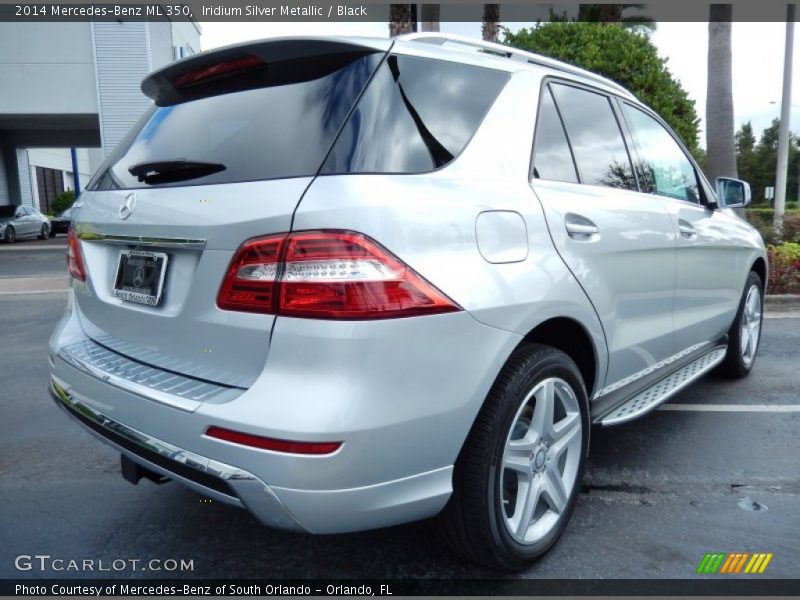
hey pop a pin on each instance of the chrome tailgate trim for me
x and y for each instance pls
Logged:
(165, 387)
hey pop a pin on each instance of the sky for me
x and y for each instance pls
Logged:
(758, 50)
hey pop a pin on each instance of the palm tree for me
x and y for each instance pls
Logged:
(491, 19)
(721, 161)
(402, 19)
(430, 17)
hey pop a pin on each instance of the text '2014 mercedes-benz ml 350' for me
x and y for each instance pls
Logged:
(347, 283)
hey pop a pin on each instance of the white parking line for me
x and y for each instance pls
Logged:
(775, 408)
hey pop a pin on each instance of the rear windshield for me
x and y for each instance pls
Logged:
(416, 115)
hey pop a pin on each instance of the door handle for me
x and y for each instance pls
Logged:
(579, 227)
(686, 230)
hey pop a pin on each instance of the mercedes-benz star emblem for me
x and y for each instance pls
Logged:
(127, 206)
(138, 277)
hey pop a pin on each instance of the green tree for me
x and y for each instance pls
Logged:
(627, 57)
(62, 202)
(608, 14)
(746, 159)
(761, 172)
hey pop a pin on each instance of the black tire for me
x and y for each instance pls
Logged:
(735, 365)
(45, 232)
(473, 523)
(52, 232)
(10, 236)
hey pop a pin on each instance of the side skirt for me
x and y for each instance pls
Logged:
(646, 394)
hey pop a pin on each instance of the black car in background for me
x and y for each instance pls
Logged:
(61, 222)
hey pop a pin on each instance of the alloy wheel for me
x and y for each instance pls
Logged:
(540, 460)
(750, 325)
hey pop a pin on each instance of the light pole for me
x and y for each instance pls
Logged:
(783, 132)
(797, 198)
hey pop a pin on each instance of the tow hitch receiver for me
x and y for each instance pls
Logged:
(133, 472)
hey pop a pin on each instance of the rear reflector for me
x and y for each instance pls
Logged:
(276, 445)
(326, 275)
(74, 256)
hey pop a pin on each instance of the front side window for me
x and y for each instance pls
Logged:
(665, 170)
(552, 158)
(595, 137)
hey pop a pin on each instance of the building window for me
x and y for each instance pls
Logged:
(50, 183)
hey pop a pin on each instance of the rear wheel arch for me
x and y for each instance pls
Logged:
(573, 339)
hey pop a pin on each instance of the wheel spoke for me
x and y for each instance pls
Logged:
(526, 504)
(554, 491)
(517, 460)
(542, 422)
(752, 302)
(745, 340)
(566, 434)
(753, 334)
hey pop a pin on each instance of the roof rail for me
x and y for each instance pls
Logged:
(467, 43)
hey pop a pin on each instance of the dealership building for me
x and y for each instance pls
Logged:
(74, 86)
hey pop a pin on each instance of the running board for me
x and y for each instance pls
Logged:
(650, 398)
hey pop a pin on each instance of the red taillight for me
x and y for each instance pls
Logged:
(74, 256)
(276, 445)
(326, 275)
(251, 279)
(222, 69)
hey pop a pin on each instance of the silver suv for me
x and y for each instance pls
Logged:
(347, 283)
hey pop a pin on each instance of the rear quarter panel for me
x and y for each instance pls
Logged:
(429, 221)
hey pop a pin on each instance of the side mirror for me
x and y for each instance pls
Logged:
(732, 193)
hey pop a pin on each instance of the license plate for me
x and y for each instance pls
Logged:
(140, 276)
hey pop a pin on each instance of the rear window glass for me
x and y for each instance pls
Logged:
(417, 115)
(265, 133)
(552, 158)
(595, 137)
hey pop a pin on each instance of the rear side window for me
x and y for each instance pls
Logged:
(283, 129)
(664, 168)
(552, 158)
(595, 137)
(417, 115)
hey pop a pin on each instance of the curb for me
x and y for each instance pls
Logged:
(782, 302)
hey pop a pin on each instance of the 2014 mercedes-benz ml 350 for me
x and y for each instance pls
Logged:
(346, 283)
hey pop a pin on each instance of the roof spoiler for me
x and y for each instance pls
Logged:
(199, 75)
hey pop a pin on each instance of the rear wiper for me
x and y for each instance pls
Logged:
(169, 171)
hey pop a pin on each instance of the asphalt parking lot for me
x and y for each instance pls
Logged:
(717, 471)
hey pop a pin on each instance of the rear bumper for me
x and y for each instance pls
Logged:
(322, 511)
(401, 396)
(207, 476)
